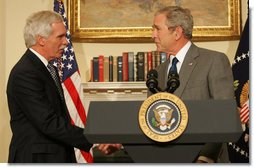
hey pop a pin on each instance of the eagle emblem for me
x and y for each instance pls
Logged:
(163, 117)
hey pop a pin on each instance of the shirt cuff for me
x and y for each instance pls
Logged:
(205, 159)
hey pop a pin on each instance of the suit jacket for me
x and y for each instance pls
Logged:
(41, 127)
(204, 74)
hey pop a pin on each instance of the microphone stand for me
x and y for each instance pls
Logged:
(152, 82)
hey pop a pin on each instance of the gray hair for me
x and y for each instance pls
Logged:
(40, 23)
(177, 16)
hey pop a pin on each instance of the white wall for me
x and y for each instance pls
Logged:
(13, 14)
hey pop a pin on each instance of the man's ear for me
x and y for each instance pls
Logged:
(178, 32)
(40, 40)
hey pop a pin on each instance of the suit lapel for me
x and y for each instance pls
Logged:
(165, 69)
(42, 68)
(188, 65)
(38, 63)
(44, 71)
(163, 74)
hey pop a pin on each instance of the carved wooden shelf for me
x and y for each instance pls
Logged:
(113, 91)
(114, 88)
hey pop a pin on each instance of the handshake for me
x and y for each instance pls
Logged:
(109, 148)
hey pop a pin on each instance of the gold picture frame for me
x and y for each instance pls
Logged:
(93, 21)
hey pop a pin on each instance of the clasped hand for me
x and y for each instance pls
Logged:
(109, 148)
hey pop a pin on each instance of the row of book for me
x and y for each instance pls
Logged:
(126, 67)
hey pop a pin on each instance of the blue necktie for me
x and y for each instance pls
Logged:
(173, 67)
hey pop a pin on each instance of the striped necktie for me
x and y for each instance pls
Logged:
(53, 74)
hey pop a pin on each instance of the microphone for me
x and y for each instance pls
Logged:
(173, 82)
(152, 82)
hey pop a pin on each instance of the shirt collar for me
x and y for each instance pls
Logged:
(43, 60)
(182, 53)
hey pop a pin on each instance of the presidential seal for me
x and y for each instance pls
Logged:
(163, 117)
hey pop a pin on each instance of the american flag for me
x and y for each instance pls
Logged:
(71, 83)
(239, 151)
(241, 74)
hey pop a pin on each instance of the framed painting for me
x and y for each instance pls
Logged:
(131, 20)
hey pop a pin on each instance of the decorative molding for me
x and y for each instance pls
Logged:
(114, 88)
(113, 91)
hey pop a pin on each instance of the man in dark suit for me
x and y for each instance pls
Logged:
(203, 74)
(41, 127)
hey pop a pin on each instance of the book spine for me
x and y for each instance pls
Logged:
(140, 66)
(95, 69)
(91, 70)
(145, 65)
(149, 61)
(153, 59)
(101, 68)
(125, 66)
(115, 69)
(119, 68)
(135, 67)
(110, 59)
(131, 66)
(106, 69)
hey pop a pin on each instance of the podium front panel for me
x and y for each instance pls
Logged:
(117, 122)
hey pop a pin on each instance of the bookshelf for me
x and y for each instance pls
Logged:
(127, 67)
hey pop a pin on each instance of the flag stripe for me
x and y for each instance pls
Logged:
(72, 109)
(80, 157)
(245, 118)
(244, 112)
(245, 115)
(75, 98)
(88, 156)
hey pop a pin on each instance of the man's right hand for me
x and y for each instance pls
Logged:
(109, 148)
